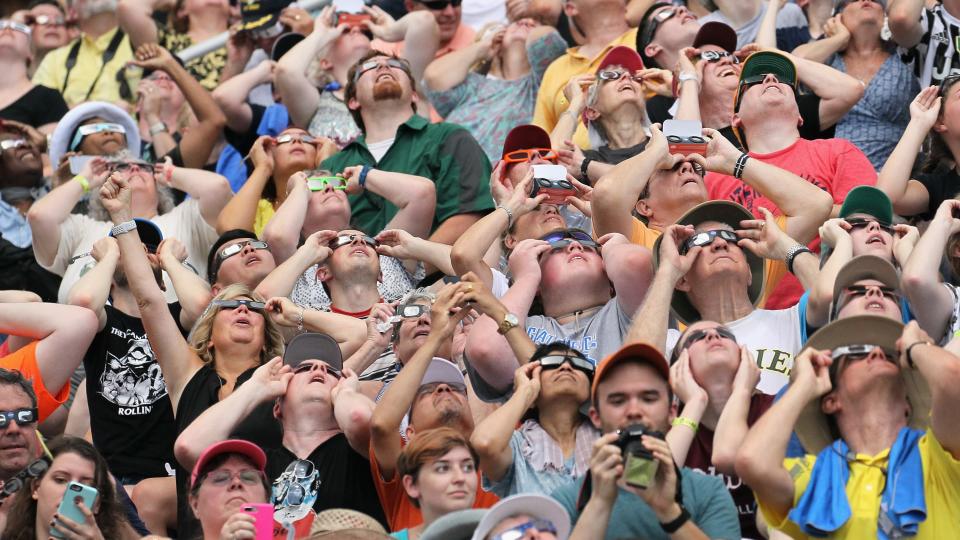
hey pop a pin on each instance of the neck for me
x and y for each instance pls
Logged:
(740, 12)
(99, 24)
(868, 428)
(42, 528)
(565, 313)
(302, 434)
(353, 296)
(718, 393)
(513, 61)
(726, 301)
(15, 74)
(667, 58)
(381, 122)
(663, 218)
(206, 24)
(953, 145)
(716, 109)
(624, 128)
(122, 299)
(775, 133)
(864, 41)
(233, 359)
(603, 26)
(560, 419)
(143, 209)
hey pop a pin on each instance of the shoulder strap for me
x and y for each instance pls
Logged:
(71, 62)
(108, 55)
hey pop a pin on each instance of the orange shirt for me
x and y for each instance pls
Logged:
(463, 37)
(399, 509)
(25, 361)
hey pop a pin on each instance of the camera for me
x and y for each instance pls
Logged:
(552, 180)
(639, 464)
(684, 137)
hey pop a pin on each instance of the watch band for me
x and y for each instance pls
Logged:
(122, 228)
(158, 127)
(362, 180)
(909, 352)
(793, 253)
(584, 165)
(675, 525)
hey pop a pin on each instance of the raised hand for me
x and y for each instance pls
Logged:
(115, 196)
(683, 383)
(925, 108)
(811, 373)
(284, 312)
(261, 153)
(764, 237)
(153, 56)
(674, 237)
(105, 247)
(833, 231)
(525, 258)
(748, 373)
(171, 251)
(272, 379)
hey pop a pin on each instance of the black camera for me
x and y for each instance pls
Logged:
(639, 464)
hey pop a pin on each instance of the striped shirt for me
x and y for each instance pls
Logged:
(935, 56)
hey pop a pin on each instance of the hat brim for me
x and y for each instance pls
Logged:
(458, 525)
(525, 137)
(639, 352)
(729, 213)
(865, 267)
(537, 506)
(764, 62)
(622, 56)
(260, 22)
(812, 427)
(867, 200)
(230, 446)
(63, 134)
(313, 346)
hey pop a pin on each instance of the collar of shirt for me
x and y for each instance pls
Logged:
(101, 42)
(543, 453)
(415, 123)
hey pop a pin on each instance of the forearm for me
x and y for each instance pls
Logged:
(819, 50)
(414, 196)
(794, 196)
(838, 91)
(488, 351)
(140, 277)
(296, 90)
(163, 142)
(282, 232)
(821, 296)
(192, 291)
(396, 401)
(566, 124)
(592, 523)
(904, 21)
(231, 97)
(93, 288)
(363, 357)
(689, 105)
(421, 36)
(281, 280)
(806, 267)
(433, 254)
(241, 210)
(941, 370)
(895, 174)
(617, 192)
(731, 430)
(680, 437)
(920, 280)
(767, 34)
(353, 411)
(650, 323)
(451, 69)
(765, 446)
(211, 190)
(348, 332)
(47, 214)
(491, 437)
(215, 424)
(454, 227)
(467, 252)
(136, 19)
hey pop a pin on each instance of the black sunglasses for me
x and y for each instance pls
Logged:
(858, 223)
(706, 238)
(564, 237)
(308, 366)
(554, 361)
(700, 335)
(234, 304)
(22, 417)
(347, 239)
(437, 5)
(655, 21)
(716, 56)
(34, 470)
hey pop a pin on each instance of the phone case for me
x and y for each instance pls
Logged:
(77, 163)
(263, 514)
(69, 509)
(684, 137)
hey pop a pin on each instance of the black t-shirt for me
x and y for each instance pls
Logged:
(130, 413)
(658, 109)
(20, 270)
(942, 184)
(333, 476)
(605, 154)
(39, 106)
(809, 106)
(201, 393)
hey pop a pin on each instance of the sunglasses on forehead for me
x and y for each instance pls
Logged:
(347, 239)
(706, 238)
(10, 144)
(859, 223)
(396, 63)
(320, 183)
(233, 249)
(716, 56)
(234, 304)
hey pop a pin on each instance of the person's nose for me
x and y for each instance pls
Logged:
(449, 10)
(713, 335)
(443, 388)
(247, 248)
(235, 482)
(874, 292)
(719, 244)
(873, 226)
(550, 209)
(574, 246)
(877, 354)
(634, 412)
(770, 78)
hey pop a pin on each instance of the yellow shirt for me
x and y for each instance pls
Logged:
(941, 483)
(550, 101)
(264, 213)
(53, 70)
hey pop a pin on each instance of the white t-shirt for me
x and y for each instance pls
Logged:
(379, 149)
(79, 232)
(476, 13)
(773, 336)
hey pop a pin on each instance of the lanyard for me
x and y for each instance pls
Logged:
(108, 55)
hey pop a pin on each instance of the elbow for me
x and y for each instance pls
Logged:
(184, 451)
(745, 466)
(724, 459)
(483, 442)
(461, 257)
(81, 299)
(382, 427)
(911, 280)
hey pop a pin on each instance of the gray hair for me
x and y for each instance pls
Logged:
(595, 132)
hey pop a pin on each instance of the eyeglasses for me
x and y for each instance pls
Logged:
(90, 129)
(233, 249)
(855, 353)
(46, 20)
(412, 311)
(858, 223)
(10, 144)
(129, 166)
(716, 56)
(234, 304)
(303, 139)
(33, 470)
(22, 417)
(853, 291)
(438, 5)
(553, 184)
(947, 82)
(706, 238)
(529, 154)
(347, 239)
(554, 361)
(616, 74)
(516, 533)
(700, 335)
(320, 183)
(396, 63)
(304, 367)
(747, 82)
(564, 237)
(655, 21)
(221, 477)
(15, 26)
(432, 387)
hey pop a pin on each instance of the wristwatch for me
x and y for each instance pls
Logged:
(157, 127)
(122, 228)
(509, 322)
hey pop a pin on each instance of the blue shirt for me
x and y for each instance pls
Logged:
(705, 497)
(14, 227)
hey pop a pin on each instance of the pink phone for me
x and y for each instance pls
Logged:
(263, 519)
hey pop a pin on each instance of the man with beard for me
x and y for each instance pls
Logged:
(381, 95)
(21, 183)
(86, 69)
(429, 392)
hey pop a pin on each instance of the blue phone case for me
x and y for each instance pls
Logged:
(69, 509)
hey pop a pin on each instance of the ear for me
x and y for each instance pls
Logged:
(215, 289)
(194, 504)
(799, 120)
(594, 416)
(353, 104)
(683, 285)
(410, 432)
(830, 404)
(323, 273)
(643, 208)
(511, 242)
(278, 410)
(325, 64)
(570, 9)
(410, 486)
(591, 113)
(736, 121)
(940, 127)
(652, 50)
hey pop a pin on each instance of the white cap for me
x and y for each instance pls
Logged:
(535, 506)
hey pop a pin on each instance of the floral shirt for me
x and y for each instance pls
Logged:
(206, 68)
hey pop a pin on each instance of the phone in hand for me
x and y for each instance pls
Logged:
(350, 12)
(263, 519)
(77, 163)
(685, 137)
(552, 180)
(68, 504)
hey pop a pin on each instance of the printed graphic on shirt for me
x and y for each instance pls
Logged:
(934, 58)
(133, 381)
(586, 344)
(295, 491)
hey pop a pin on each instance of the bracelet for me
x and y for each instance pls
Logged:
(910, 352)
(675, 525)
(509, 215)
(583, 169)
(84, 183)
(157, 128)
(300, 320)
(793, 253)
(740, 165)
(683, 421)
(364, 171)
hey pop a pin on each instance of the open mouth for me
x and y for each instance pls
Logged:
(318, 378)
(876, 239)
(576, 257)
(251, 260)
(772, 86)
(242, 321)
(689, 181)
(421, 332)
(358, 251)
(875, 305)
(727, 72)
(385, 76)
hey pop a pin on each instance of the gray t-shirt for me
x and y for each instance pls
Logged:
(596, 335)
(792, 27)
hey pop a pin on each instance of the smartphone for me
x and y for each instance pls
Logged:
(350, 12)
(263, 519)
(685, 137)
(68, 505)
(552, 180)
(77, 163)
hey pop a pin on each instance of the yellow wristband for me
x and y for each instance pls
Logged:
(681, 421)
(84, 183)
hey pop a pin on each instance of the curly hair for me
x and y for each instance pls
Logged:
(22, 514)
(203, 329)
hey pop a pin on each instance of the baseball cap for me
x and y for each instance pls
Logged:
(868, 200)
(716, 33)
(213, 262)
(812, 427)
(729, 213)
(643, 353)
(440, 370)
(256, 14)
(535, 506)
(313, 346)
(622, 56)
(284, 43)
(865, 267)
(457, 525)
(229, 446)
(524, 137)
(150, 234)
(766, 63)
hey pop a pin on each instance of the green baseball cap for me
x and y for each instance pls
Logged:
(760, 64)
(868, 200)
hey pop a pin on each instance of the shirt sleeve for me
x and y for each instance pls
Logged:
(71, 233)
(715, 513)
(46, 73)
(799, 469)
(942, 473)
(543, 114)
(25, 361)
(463, 181)
(542, 52)
(446, 101)
(506, 485)
(853, 169)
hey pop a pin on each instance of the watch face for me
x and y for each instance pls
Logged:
(511, 319)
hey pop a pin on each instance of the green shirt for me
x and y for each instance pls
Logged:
(445, 153)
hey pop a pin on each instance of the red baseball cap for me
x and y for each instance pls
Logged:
(642, 353)
(229, 446)
(716, 33)
(622, 56)
(525, 137)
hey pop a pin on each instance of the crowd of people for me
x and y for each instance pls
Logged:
(479, 269)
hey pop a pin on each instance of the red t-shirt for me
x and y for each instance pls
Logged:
(834, 165)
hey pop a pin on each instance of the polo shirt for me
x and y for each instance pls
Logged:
(864, 489)
(551, 102)
(445, 153)
(52, 71)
